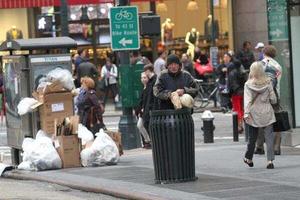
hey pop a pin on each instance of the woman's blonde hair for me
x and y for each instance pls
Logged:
(89, 82)
(257, 74)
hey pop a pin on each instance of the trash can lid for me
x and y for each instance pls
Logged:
(170, 112)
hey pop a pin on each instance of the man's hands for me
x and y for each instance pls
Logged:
(180, 92)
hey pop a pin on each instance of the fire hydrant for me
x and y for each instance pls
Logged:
(208, 126)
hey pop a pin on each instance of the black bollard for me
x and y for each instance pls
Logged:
(208, 127)
(235, 127)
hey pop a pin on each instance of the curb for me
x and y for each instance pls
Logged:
(119, 193)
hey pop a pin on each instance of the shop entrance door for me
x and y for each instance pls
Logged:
(294, 7)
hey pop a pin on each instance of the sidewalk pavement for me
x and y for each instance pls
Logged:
(219, 167)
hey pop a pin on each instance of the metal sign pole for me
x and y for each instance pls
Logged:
(127, 123)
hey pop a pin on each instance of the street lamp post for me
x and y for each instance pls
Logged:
(127, 123)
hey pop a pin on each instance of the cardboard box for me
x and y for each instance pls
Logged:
(68, 150)
(55, 106)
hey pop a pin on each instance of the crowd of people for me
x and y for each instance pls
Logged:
(247, 85)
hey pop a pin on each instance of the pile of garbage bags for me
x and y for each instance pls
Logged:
(40, 153)
(101, 152)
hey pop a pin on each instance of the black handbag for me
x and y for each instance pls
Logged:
(282, 117)
(282, 121)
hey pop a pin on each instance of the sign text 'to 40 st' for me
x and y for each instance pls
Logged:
(124, 28)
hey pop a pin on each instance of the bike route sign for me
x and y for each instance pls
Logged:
(277, 20)
(124, 28)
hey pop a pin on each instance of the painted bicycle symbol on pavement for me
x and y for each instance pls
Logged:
(123, 14)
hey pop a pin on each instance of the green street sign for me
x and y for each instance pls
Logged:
(277, 20)
(124, 28)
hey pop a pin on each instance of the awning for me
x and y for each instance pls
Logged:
(41, 3)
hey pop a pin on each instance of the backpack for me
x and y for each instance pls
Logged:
(271, 72)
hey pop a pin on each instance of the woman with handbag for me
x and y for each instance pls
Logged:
(90, 109)
(258, 99)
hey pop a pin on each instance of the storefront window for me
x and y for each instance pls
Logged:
(181, 21)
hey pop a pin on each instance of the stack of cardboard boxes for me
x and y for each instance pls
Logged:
(55, 104)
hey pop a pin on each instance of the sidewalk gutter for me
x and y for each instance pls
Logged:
(119, 189)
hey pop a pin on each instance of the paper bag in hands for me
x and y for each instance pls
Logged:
(176, 100)
(187, 101)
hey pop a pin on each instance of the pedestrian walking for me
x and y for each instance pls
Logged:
(274, 71)
(222, 74)
(109, 73)
(259, 48)
(90, 108)
(188, 65)
(245, 55)
(150, 98)
(236, 82)
(160, 63)
(258, 97)
(80, 58)
(173, 79)
(88, 69)
(140, 110)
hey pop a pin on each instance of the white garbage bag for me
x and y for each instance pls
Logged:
(62, 75)
(103, 151)
(39, 154)
(25, 104)
(84, 134)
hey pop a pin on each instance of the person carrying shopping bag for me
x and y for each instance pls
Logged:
(258, 99)
(139, 111)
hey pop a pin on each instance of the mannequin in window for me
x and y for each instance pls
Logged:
(14, 33)
(207, 29)
(167, 31)
(191, 39)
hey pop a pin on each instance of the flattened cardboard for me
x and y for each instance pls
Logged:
(69, 151)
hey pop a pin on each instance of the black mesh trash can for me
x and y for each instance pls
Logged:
(173, 147)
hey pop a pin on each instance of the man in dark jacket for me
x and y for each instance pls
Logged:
(187, 65)
(87, 69)
(173, 80)
(246, 55)
(149, 99)
(82, 57)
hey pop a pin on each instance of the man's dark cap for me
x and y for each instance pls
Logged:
(172, 58)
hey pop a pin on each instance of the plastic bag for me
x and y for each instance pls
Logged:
(39, 154)
(103, 151)
(187, 101)
(25, 104)
(41, 134)
(84, 134)
(62, 75)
